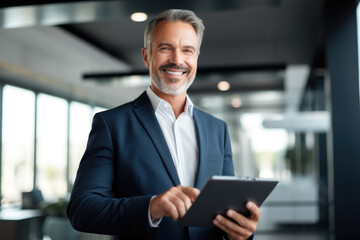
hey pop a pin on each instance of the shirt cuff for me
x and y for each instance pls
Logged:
(154, 223)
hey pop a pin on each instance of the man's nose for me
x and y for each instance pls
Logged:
(176, 57)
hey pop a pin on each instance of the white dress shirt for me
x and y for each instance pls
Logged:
(180, 136)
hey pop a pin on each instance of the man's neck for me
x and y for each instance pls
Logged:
(177, 102)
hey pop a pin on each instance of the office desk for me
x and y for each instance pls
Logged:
(19, 224)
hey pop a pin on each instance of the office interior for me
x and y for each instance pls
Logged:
(283, 74)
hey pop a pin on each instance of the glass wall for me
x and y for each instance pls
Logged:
(267, 146)
(43, 140)
(80, 124)
(286, 155)
(17, 143)
(292, 149)
(51, 156)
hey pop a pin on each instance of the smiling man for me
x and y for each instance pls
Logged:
(174, 53)
(146, 160)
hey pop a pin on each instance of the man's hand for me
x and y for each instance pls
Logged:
(241, 227)
(173, 203)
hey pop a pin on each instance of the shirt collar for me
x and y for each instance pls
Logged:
(157, 102)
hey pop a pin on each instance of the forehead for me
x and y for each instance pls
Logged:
(175, 32)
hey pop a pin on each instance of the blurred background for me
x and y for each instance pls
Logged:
(283, 74)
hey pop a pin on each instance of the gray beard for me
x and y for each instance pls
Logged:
(161, 85)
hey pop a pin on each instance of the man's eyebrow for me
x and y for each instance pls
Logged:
(169, 45)
(164, 44)
(190, 47)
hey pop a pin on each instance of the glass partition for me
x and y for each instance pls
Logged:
(18, 143)
(52, 132)
(80, 124)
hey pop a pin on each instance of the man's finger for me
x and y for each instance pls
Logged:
(191, 192)
(187, 195)
(171, 211)
(174, 202)
(231, 227)
(240, 219)
(179, 201)
(254, 211)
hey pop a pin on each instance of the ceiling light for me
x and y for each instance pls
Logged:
(236, 102)
(138, 17)
(223, 86)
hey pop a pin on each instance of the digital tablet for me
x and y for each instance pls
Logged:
(221, 193)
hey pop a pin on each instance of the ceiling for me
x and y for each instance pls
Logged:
(237, 35)
(250, 43)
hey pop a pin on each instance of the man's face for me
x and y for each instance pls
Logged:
(173, 57)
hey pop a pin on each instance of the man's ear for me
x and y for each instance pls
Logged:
(145, 57)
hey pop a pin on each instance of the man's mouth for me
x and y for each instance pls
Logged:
(173, 69)
(173, 73)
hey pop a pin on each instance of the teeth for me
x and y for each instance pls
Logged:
(174, 73)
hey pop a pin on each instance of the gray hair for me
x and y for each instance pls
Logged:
(173, 15)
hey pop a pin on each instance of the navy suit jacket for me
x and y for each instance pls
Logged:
(127, 161)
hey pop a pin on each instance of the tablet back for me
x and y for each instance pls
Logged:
(222, 193)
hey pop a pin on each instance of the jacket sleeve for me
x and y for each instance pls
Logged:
(92, 207)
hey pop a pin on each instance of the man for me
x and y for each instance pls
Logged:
(146, 160)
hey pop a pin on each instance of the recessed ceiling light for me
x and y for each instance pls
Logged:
(138, 17)
(223, 86)
(236, 102)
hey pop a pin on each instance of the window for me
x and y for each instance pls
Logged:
(52, 152)
(80, 124)
(18, 143)
(264, 147)
(59, 146)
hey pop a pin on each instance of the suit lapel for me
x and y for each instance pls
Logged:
(203, 148)
(145, 114)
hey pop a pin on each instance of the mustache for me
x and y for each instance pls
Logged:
(174, 66)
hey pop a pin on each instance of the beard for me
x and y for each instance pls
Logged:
(160, 84)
